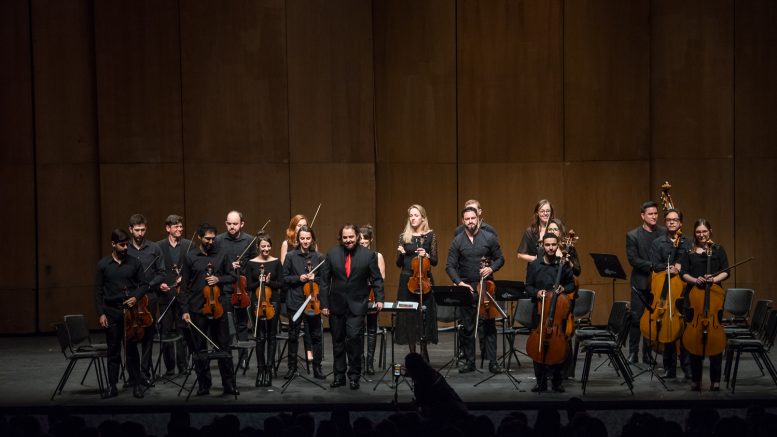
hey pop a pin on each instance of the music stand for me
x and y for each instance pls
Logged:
(609, 266)
(452, 296)
(393, 308)
(509, 291)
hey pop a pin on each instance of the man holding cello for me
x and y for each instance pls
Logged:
(547, 276)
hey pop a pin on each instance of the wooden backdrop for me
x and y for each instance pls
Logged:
(194, 107)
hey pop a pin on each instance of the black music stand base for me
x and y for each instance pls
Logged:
(301, 376)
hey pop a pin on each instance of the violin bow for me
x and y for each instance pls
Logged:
(735, 265)
(254, 239)
(314, 216)
(203, 335)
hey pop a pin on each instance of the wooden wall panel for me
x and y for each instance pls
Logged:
(602, 202)
(260, 191)
(415, 81)
(346, 193)
(510, 58)
(606, 80)
(692, 68)
(507, 195)
(138, 80)
(17, 189)
(66, 155)
(330, 85)
(233, 66)
(755, 102)
(154, 190)
(754, 204)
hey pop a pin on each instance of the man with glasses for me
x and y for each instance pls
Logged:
(638, 243)
(667, 253)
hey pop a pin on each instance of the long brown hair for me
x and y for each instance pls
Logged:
(535, 225)
(291, 231)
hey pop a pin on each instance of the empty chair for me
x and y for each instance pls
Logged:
(73, 356)
(610, 346)
(737, 305)
(609, 331)
(757, 322)
(759, 347)
(584, 307)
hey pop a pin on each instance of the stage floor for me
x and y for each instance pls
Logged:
(32, 366)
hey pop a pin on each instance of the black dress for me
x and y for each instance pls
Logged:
(408, 329)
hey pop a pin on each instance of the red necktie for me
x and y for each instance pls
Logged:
(348, 265)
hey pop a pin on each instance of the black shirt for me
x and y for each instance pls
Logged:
(464, 256)
(173, 257)
(638, 244)
(252, 270)
(695, 264)
(296, 264)
(542, 276)
(116, 282)
(194, 278)
(529, 243)
(150, 257)
(232, 247)
(663, 251)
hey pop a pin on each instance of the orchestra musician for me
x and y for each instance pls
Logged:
(196, 268)
(695, 273)
(296, 276)
(417, 239)
(290, 243)
(231, 244)
(530, 242)
(119, 284)
(265, 329)
(347, 275)
(173, 252)
(638, 243)
(669, 249)
(481, 223)
(540, 279)
(150, 257)
(463, 266)
(366, 237)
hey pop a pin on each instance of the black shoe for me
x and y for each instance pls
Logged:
(370, 369)
(137, 392)
(695, 386)
(539, 388)
(203, 390)
(290, 373)
(669, 374)
(242, 364)
(558, 388)
(170, 372)
(112, 392)
(467, 368)
(146, 382)
(354, 384)
(338, 382)
(268, 376)
(495, 368)
(318, 372)
(634, 358)
(231, 390)
(649, 360)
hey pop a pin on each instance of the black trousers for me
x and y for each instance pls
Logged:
(347, 339)
(147, 359)
(173, 354)
(543, 371)
(218, 331)
(486, 336)
(266, 343)
(114, 336)
(637, 308)
(313, 324)
(697, 361)
(241, 320)
(670, 358)
(372, 332)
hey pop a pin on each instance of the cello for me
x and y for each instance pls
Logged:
(704, 335)
(547, 342)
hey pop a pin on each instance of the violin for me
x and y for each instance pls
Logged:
(177, 270)
(547, 343)
(704, 335)
(137, 319)
(264, 309)
(487, 307)
(420, 280)
(310, 289)
(212, 308)
(240, 298)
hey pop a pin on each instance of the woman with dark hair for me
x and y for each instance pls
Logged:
(543, 214)
(289, 244)
(266, 269)
(367, 237)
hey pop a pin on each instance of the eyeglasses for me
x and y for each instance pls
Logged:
(544, 211)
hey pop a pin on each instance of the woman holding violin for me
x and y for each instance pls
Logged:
(704, 269)
(289, 244)
(302, 284)
(550, 280)
(265, 281)
(372, 315)
(416, 255)
(530, 245)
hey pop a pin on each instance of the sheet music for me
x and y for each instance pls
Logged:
(401, 305)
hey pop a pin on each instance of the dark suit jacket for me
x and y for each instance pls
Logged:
(339, 293)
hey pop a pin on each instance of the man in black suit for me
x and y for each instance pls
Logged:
(345, 287)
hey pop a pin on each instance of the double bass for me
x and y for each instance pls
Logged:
(547, 342)
(704, 335)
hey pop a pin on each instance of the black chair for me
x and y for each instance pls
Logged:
(757, 322)
(759, 347)
(737, 305)
(584, 307)
(73, 355)
(239, 345)
(80, 338)
(611, 346)
(283, 336)
(208, 355)
(608, 332)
